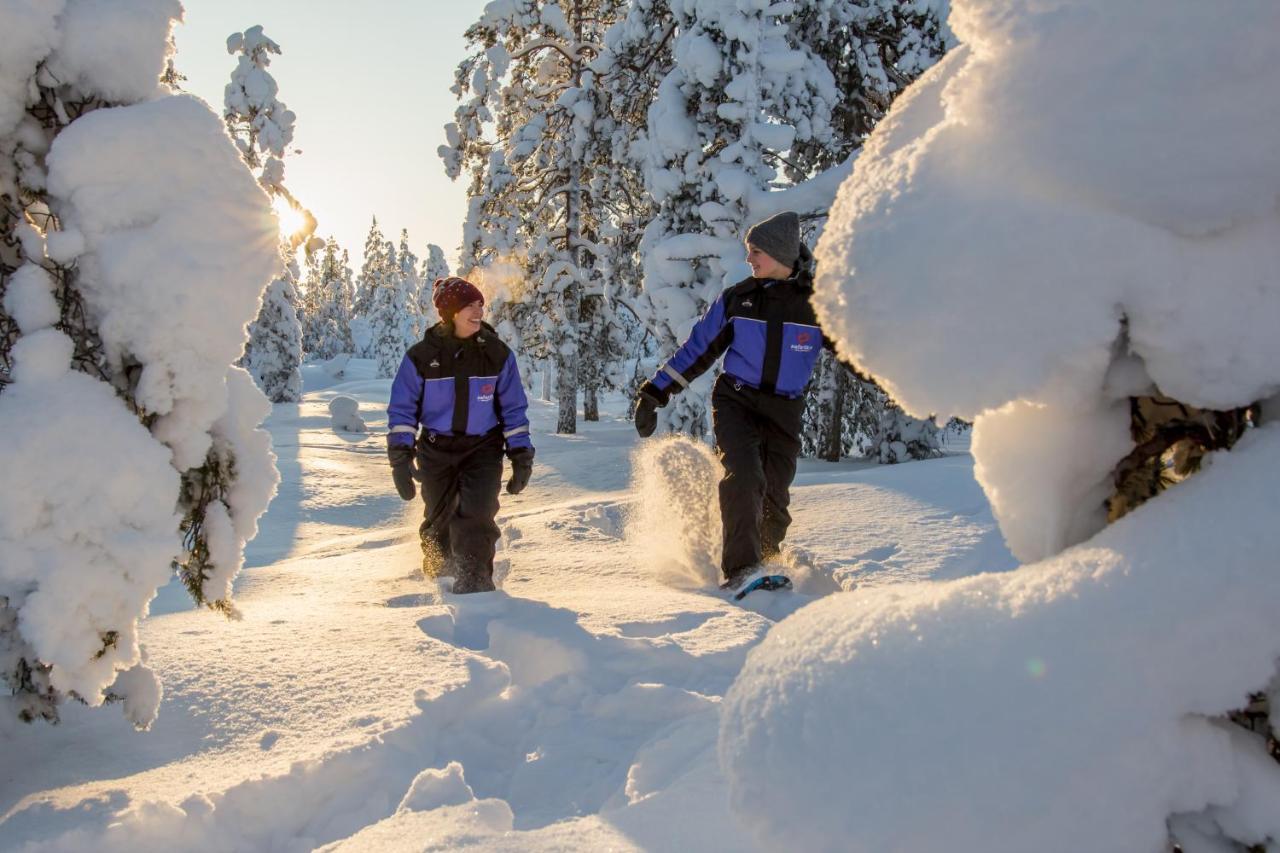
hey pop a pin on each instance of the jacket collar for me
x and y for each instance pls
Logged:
(441, 337)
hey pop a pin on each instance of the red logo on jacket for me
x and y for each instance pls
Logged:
(487, 388)
(803, 338)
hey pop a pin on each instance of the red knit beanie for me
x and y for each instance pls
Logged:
(450, 295)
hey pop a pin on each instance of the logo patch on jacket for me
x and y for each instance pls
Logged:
(486, 393)
(802, 342)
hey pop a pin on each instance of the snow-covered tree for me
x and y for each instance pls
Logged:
(901, 438)
(742, 92)
(848, 414)
(262, 128)
(531, 79)
(374, 271)
(411, 282)
(434, 267)
(259, 122)
(842, 412)
(273, 353)
(617, 318)
(327, 295)
(135, 247)
(394, 322)
(873, 49)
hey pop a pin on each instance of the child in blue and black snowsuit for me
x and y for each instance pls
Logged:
(768, 333)
(460, 384)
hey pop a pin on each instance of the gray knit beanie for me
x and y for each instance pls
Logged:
(778, 237)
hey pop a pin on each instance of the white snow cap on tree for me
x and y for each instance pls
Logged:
(251, 98)
(80, 562)
(1054, 210)
(1071, 165)
(113, 49)
(166, 164)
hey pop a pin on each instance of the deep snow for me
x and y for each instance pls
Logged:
(357, 705)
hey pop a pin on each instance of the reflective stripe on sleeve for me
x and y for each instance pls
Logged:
(517, 431)
(404, 428)
(675, 374)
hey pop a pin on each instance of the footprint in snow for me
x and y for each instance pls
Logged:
(884, 552)
(679, 624)
(416, 599)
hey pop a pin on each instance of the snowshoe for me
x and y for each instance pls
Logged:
(747, 582)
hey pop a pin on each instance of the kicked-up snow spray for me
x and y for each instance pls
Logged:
(675, 526)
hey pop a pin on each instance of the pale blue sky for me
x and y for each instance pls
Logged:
(369, 83)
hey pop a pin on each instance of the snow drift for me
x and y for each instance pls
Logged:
(1061, 706)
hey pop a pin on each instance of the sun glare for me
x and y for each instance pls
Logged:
(292, 220)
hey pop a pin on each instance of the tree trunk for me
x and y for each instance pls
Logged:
(832, 448)
(546, 382)
(567, 354)
(567, 393)
(590, 403)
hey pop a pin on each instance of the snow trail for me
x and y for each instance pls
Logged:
(359, 708)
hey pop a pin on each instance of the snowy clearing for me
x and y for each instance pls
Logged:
(356, 705)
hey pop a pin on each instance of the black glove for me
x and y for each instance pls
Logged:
(521, 469)
(649, 399)
(402, 469)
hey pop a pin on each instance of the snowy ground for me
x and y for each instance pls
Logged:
(356, 706)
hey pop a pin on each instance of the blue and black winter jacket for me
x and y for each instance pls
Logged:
(453, 386)
(770, 333)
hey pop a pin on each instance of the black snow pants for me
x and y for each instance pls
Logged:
(758, 437)
(460, 475)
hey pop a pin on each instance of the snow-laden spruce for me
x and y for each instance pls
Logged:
(742, 91)
(394, 323)
(273, 353)
(873, 50)
(327, 290)
(262, 128)
(1037, 240)
(387, 320)
(537, 155)
(131, 443)
(434, 267)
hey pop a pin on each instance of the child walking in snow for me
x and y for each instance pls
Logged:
(772, 339)
(460, 384)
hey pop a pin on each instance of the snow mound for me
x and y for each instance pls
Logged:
(676, 524)
(470, 825)
(345, 412)
(318, 375)
(432, 789)
(1011, 706)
